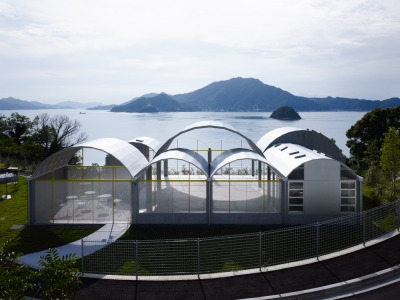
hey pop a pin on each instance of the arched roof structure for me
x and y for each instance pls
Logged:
(307, 138)
(233, 155)
(147, 141)
(180, 154)
(287, 157)
(127, 154)
(208, 124)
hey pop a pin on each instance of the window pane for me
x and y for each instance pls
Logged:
(348, 193)
(295, 208)
(348, 201)
(295, 201)
(347, 208)
(296, 193)
(348, 185)
(296, 185)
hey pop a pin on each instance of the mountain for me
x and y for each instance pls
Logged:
(249, 94)
(285, 113)
(236, 94)
(245, 94)
(17, 104)
(73, 105)
(150, 95)
(349, 104)
(11, 103)
(160, 103)
(102, 107)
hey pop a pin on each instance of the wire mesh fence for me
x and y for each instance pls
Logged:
(238, 252)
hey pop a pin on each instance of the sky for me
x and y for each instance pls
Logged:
(112, 51)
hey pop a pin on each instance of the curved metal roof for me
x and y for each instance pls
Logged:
(307, 138)
(127, 154)
(148, 141)
(208, 124)
(181, 154)
(233, 155)
(287, 157)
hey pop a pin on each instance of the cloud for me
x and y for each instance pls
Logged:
(178, 45)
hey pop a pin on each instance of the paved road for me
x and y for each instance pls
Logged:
(346, 267)
(388, 292)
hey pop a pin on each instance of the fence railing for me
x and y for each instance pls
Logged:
(238, 252)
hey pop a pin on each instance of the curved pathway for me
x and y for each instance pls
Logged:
(108, 232)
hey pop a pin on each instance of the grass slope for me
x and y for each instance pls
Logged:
(32, 238)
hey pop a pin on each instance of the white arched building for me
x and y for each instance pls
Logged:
(290, 176)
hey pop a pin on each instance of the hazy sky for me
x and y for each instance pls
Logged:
(112, 51)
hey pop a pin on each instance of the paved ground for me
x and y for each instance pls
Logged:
(350, 266)
(388, 292)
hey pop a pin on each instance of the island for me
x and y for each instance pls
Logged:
(285, 113)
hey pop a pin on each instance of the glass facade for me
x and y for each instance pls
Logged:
(84, 194)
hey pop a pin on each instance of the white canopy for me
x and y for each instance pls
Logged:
(208, 124)
(187, 155)
(287, 157)
(148, 141)
(127, 154)
(307, 138)
(233, 155)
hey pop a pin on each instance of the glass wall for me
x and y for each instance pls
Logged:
(84, 194)
(182, 190)
(243, 187)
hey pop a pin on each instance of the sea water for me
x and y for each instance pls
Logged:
(162, 126)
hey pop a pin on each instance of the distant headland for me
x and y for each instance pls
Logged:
(233, 95)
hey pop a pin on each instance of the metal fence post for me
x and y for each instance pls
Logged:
(398, 215)
(317, 241)
(198, 258)
(260, 250)
(363, 227)
(136, 257)
(82, 258)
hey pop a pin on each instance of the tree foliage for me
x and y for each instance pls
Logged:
(33, 140)
(58, 278)
(390, 159)
(366, 136)
(15, 279)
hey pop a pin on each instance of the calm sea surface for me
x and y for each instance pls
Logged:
(161, 126)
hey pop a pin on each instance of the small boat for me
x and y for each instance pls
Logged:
(82, 113)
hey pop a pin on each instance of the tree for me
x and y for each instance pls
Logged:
(14, 278)
(365, 137)
(19, 128)
(15, 132)
(58, 132)
(390, 159)
(3, 126)
(59, 275)
(29, 142)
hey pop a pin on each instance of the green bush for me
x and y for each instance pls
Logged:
(59, 277)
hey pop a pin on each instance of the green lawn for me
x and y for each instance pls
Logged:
(32, 238)
(369, 200)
